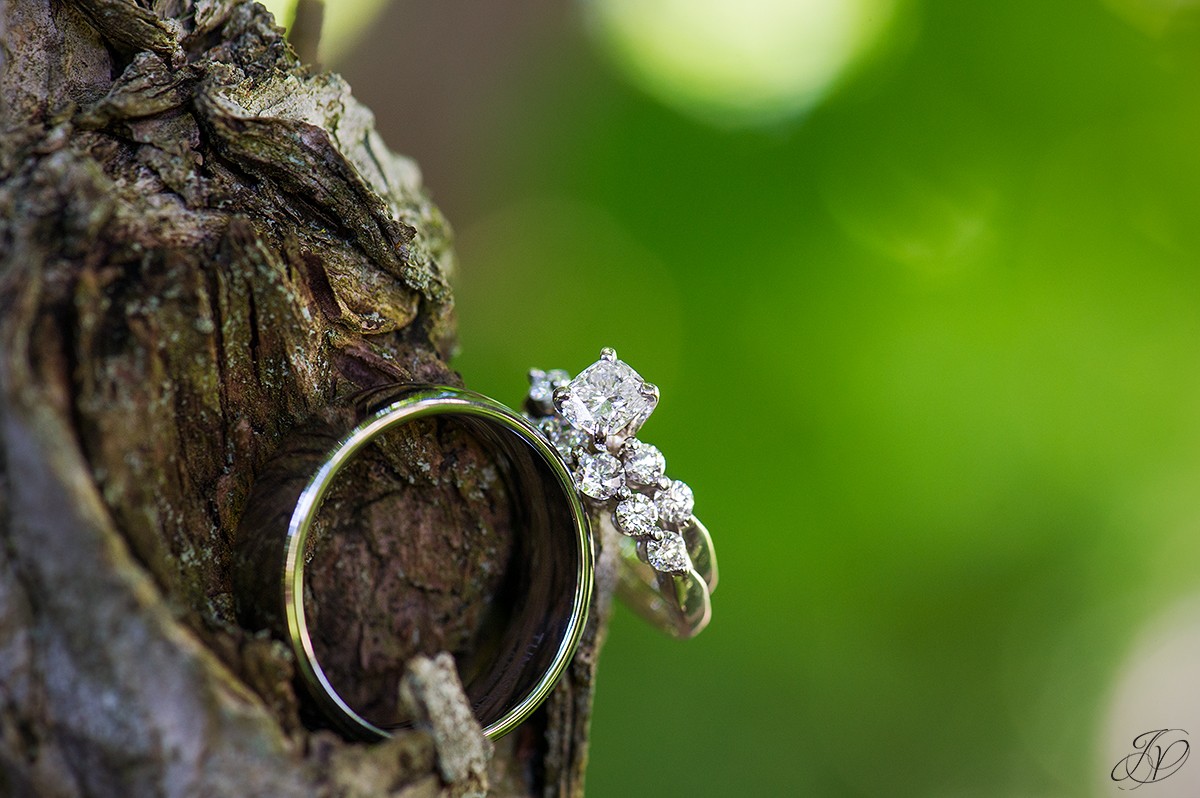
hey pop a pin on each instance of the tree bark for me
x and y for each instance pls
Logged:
(202, 244)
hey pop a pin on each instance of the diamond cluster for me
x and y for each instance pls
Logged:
(592, 421)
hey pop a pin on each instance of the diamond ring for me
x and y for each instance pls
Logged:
(670, 567)
(523, 649)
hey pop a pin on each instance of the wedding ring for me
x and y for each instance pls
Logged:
(552, 570)
(669, 566)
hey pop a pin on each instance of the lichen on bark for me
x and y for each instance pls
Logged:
(202, 243)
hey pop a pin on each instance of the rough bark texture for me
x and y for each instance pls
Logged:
(201, 243)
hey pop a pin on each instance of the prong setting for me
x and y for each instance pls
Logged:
(598, 415)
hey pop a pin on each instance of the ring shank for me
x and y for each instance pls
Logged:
(678, 604)
(533, 627)
(543, 573)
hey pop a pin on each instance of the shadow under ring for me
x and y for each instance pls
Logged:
(533, 644)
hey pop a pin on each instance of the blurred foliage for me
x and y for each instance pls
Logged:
(929, 356)
(928, 353)
(744, 62)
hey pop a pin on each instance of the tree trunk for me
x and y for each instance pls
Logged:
(202, 244)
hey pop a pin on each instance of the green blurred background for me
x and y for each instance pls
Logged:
(920, 284)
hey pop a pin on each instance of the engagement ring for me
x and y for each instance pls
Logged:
(670, 567)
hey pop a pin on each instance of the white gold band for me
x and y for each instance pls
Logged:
(530, 652)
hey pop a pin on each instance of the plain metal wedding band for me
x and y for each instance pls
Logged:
(554, 563)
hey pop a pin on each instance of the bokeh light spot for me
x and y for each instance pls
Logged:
(744, 63)
(1155, 17)
(935, 224)
(342, 23)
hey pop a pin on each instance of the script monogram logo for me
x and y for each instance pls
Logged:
(1157, 754)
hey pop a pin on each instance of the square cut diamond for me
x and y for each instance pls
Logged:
(607, 398)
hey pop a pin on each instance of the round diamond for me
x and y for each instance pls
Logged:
(608, 397)
(565, 439)
(675, 503)
(551, 427)
(599, 474)
(644, 463)
(637, 516)
(542, 385)
(668, 555)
